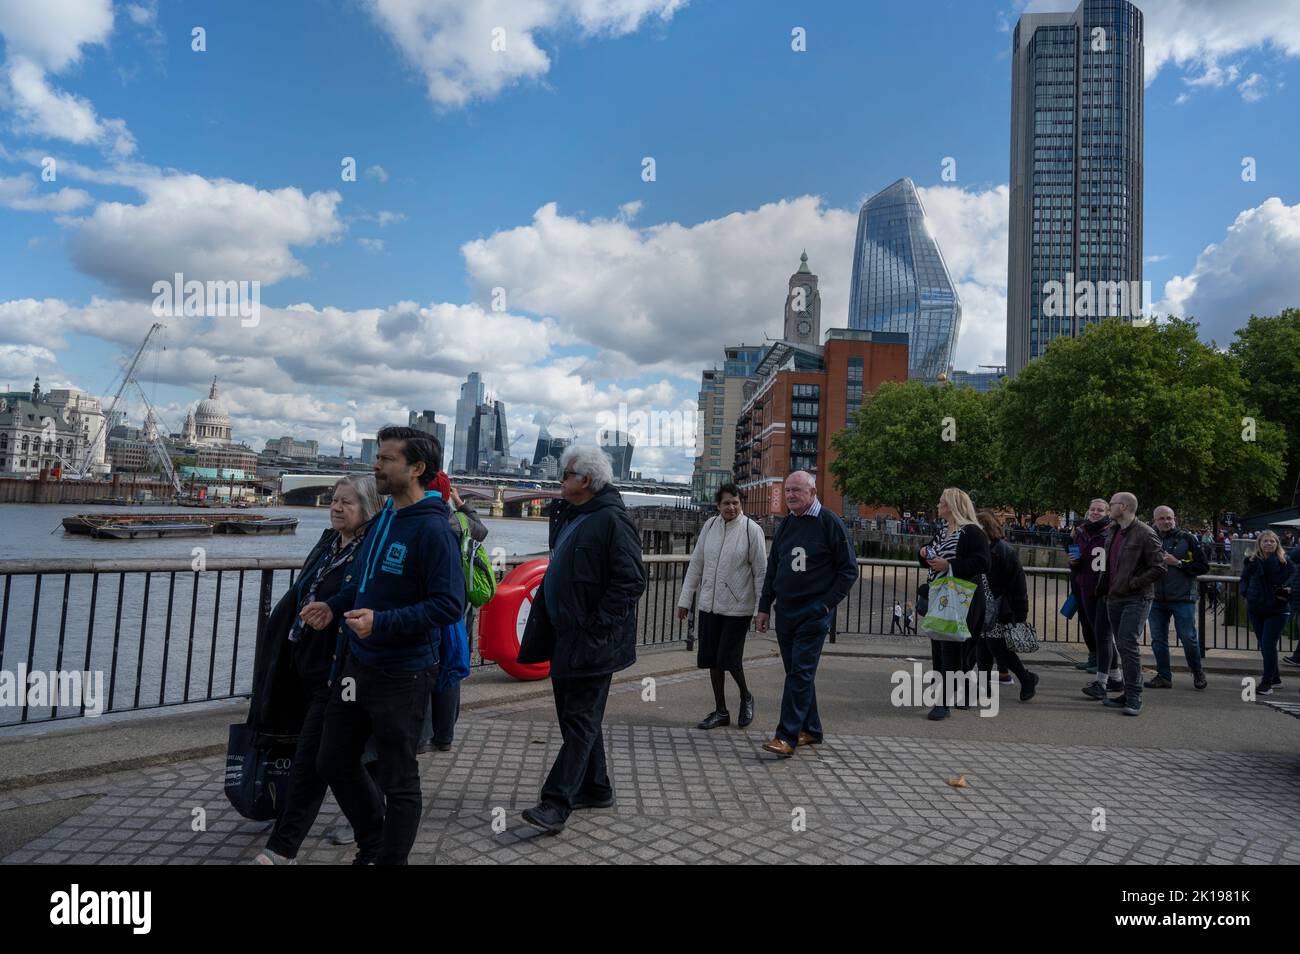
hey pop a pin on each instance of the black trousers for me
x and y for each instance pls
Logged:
(306, 787)
(579, 769)
(989, 650)
(1084, 611)
(947, 657)
(390, 706)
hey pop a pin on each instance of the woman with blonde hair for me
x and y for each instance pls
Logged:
(960, 546)
(1265, 585)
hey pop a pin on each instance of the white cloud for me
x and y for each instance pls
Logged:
(47, 37)
(204, 228)
(378, 173)
(22, 363)
(373, 245)
(51, 33)
(1253, 88)
(671, 296)
(19, 192)
(1198, 35)
(1251, 271)
(305, 368)
(1152, 259)
(451, 42)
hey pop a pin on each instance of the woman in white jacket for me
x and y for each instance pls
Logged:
(725, 578)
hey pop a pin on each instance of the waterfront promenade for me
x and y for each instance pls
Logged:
(1200, 778)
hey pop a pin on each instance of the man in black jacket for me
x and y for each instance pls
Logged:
(1175, 595)
(809, 570)
(583, 621)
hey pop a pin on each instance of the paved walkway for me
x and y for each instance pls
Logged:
(690, 797)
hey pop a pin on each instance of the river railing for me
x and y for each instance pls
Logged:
(164, 633)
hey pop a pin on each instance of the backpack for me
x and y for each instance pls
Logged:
(480, 581)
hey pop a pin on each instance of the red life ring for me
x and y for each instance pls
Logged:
(501, 621)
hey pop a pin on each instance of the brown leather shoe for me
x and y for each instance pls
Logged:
(779, 747)
(807, 738)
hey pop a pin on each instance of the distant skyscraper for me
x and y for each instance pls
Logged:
(368, 447)
(900, 282)
(618, 447)
(427, 421)
(472, 394)
(1076, 165)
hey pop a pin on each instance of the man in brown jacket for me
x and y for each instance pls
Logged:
(1133, 562)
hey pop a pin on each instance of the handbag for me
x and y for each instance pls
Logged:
(922, 599)
(257, 772)
(950, 600)
(1019, 637)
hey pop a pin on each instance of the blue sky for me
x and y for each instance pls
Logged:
(521, 169)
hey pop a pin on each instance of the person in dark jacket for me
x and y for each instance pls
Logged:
(1134, 563)
(1176, 595)
(406, 586)
(444, 705)
(583, 621)
(1006, 579)
(810, 570)
(960, 546)
(1266, 586)
(1087, 552)
(1293, 558)
(305, 656)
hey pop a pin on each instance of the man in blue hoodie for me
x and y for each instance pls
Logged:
(404, 585)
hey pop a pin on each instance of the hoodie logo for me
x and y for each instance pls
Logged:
(394, 559)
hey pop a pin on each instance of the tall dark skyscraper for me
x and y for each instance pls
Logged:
(618, 447)
(900, 282)
(1076, 166)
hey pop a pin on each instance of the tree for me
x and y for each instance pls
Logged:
(910, 440)
(1268, 353)
(1149, 409)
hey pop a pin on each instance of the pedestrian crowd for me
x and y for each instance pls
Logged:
(361, 660)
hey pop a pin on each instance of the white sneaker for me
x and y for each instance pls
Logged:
(269, 857)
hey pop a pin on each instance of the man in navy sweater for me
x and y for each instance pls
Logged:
(810, 569)
(403, 586)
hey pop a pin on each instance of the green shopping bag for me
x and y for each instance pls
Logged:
(950, 600)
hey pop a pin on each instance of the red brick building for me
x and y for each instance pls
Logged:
(802, 395)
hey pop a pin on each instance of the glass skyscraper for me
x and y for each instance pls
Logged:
(1076, 166)
(900, 281)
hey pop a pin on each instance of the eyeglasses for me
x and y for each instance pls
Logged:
(567, 474)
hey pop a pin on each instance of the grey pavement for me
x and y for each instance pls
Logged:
(1198, 778)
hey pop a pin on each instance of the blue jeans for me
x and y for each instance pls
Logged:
(1126, 619)
(1268, 630)
(800, 636)
(1184, 615)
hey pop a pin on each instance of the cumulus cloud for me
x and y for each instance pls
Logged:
(468, 51)
(378, 173)
(46, 38)
(671, 295)
(51, 33)
(1251, 271)
(20, 193)
(304, 368)
(204, 228)
(21, 363)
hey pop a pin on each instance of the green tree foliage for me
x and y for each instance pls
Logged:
(910, 440)
(1149, 409)
(1268, 353)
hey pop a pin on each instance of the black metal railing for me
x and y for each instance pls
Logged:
(161, 633)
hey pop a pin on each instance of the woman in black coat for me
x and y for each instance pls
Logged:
(960, 545)
(1265, 584)
(292, 695)
(1006, 579)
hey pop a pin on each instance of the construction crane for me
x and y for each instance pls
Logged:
(156, 443)
(101, 433)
